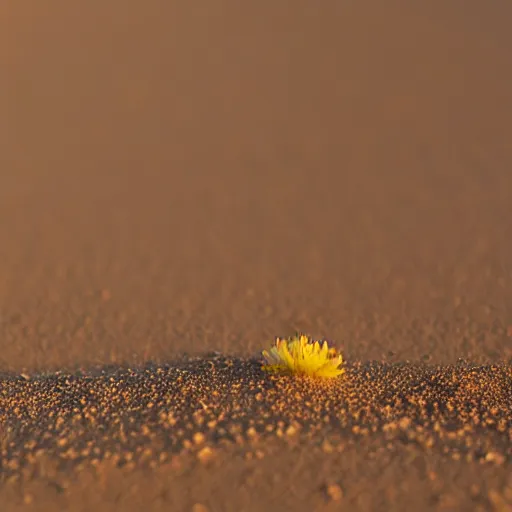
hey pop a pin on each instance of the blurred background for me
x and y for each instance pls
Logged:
(196, 176)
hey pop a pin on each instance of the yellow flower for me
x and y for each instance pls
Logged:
(301, 355)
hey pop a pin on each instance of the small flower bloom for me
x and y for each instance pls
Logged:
(301, 355)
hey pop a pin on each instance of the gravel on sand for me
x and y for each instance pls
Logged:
(148, 415)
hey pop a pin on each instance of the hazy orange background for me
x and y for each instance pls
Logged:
(193, 176)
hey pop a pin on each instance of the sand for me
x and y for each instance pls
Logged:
(181, 180)
(206, 413)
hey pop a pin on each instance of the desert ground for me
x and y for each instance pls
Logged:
(181, 182)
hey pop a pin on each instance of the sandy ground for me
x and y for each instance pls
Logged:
(183, 178)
